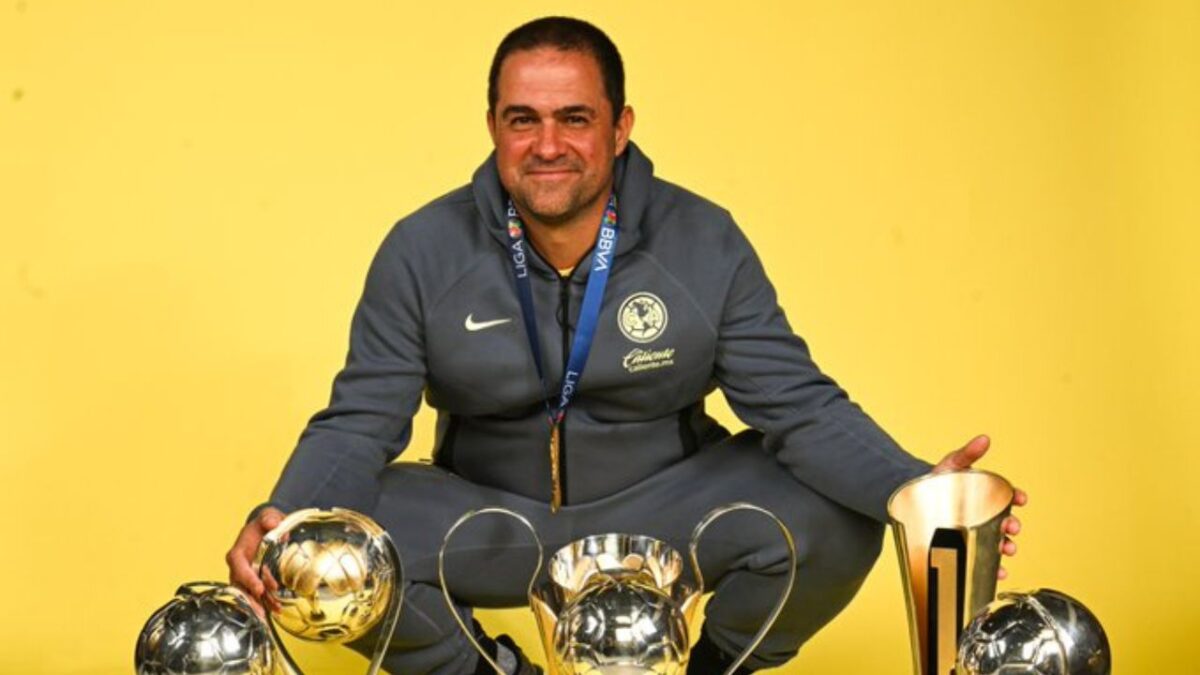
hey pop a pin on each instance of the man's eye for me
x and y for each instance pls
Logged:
(576, 120)
(521, 121)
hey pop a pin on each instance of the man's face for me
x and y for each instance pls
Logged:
(554, 133)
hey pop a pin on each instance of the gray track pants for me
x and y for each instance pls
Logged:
(742, 556)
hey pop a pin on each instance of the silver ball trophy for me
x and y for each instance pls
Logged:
(208, 628)
(616, 604)
(1042, 631)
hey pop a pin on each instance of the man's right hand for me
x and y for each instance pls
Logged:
(240, 557)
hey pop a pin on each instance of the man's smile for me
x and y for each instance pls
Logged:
(550, 174)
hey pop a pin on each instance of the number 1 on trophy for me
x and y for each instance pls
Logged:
(947, 580)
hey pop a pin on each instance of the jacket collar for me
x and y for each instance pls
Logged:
(632, 174)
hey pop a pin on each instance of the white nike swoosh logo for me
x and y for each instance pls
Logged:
(473, 325)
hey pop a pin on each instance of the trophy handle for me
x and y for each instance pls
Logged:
(194, 588)
(395, 605)
(287, 665)
(791, 575)
(442, 572)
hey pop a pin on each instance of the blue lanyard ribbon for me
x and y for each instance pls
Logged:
(589, 314)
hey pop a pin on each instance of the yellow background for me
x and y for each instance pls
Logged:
(981, 214)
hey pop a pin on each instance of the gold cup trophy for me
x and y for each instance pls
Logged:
(617, 604)
(948, 530)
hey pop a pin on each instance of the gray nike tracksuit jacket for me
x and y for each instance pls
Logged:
(687, 309)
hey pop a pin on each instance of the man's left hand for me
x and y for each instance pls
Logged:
(962, 459)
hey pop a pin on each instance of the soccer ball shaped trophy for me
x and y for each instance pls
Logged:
(616, 604)
(629, 614)
(1043, 631)
(330, 576)
(208, 628)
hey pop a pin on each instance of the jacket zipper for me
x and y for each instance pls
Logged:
(564, 323)
(564, 306)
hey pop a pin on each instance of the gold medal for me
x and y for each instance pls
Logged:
(555, 483)
(593, 296)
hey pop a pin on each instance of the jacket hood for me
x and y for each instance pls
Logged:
(632, 174)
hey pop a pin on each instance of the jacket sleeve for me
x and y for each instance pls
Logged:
(809, 423)
(369, 418)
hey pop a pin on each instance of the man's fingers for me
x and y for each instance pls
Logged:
(1019, 497)
(268, 581)
(269, 519)
(241, 574)
(965, 456)
(1012, 525)
(257, 607)
(1009, 547)
(972, 451)
(1002, 574)
(271, 585)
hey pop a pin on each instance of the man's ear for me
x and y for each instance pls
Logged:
(491, 125)
(623, 128)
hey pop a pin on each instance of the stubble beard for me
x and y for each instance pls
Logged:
(556, 206)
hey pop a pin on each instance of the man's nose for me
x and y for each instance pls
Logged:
(549, 145)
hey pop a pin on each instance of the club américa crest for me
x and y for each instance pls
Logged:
(642, 317)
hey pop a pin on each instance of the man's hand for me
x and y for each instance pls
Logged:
(962, 459)
(240, 557)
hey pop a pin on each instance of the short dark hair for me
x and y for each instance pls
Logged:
(565, 34)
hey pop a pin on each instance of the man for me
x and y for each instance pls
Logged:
(566, 314)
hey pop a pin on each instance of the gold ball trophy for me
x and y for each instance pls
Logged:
(616, 604)
(330, 576)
